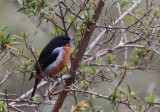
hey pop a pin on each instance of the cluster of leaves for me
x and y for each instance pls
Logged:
(6, 40)
(149, 31)
(33, 7)
(7, 43)
(26, 66)
(124, 95)
(46, 10)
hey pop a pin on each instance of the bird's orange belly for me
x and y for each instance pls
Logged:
(63, 62)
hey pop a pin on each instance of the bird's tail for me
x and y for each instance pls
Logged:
(37, 81)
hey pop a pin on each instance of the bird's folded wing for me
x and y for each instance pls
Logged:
(45, 60)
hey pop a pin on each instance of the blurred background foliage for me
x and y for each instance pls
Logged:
(18, 22)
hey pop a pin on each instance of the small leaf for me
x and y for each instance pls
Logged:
(129, 89)
(9, 46)
(68, 19)
(3, 29)
(21, 8)
(93, 2)
(29, 68)
(2, 104)
(89, 70)
(85, 105)
(150, 99)
(80, 103)
(81, 85)
(113, 99)
(73, 17)
(128, 97)
(48, 17)
(35, 98)
(24, 35)
(98, 60)
(109, 58)
(30, 10)
(87, 83)
(139, 107)
(123, 2)
(56, 30)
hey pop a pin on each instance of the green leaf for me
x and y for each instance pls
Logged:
(81, 85)
(93, 2)
(3, 29)
(87, 83)
(139, 107)
(98, 60)
(38, 53)
(8, 38)
(114, 96)
(56, 29)
(152, 96)
(123, 2)
(24, 35)
(129, 89)
(75, 53)
(31, 10)
(68, 19)
(21, 8)
(2, 104)
(35, 98)
(29, 68)
(90, 70)
(109, 58)
(5, 108)
(80, 103)
(150, 99)
(127, 66)
(73, 17)
(128, 97)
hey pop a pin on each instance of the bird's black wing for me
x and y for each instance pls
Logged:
(45, 59)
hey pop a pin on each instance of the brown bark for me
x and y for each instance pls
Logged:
(81, 50)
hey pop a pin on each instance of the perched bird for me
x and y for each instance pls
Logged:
(53, 59)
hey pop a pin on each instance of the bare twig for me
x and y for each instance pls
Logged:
(7, 76)
(43, 83)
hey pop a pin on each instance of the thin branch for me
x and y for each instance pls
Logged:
(43, 83)
(82, 91)
(62, 18)
(7, 76)
(94, 42)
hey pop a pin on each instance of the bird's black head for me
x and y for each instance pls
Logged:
(61, 40)
(57, 41)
